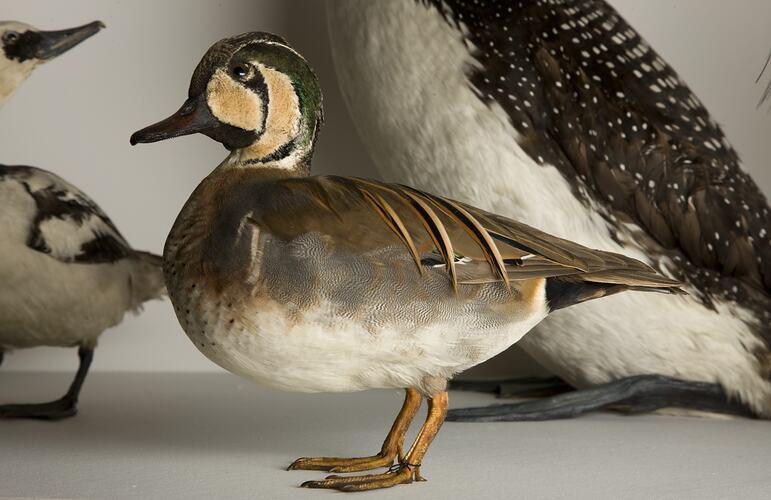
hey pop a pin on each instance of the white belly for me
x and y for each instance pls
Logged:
(44, 301)
(317, 352)
(47, 302)
(447, 141)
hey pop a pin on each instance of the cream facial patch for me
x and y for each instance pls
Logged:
(283, 120)
(232, 103)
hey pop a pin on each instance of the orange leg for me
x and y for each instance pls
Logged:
(408, 469)
(392, 446)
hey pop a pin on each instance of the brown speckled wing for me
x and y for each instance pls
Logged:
(589, 95)
(363, 216)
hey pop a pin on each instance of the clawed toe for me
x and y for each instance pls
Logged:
(55, 410)
(343, 464)
(401, 474)
(64, 407)
(405, 471)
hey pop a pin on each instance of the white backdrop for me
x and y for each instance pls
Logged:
(74, 117)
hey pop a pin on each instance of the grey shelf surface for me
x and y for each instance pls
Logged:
(216, 436)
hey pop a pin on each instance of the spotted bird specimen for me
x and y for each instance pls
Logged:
(559, 113)
(314, 284)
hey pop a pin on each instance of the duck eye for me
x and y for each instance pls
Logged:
(240, 71)
(10, 37)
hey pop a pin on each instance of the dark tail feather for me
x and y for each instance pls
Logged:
(566, 291)
(632, 395)
(523, 387)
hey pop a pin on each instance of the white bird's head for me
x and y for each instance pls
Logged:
(24, 47)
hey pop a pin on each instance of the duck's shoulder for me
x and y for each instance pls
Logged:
(287, 205)
(238, 216)
(66, 224)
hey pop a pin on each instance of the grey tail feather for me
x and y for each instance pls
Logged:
(631, 395)
(147, 281)
(150, 258)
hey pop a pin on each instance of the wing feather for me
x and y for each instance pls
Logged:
(474, 246)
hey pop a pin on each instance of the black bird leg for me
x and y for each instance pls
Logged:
(631, 395)
(525, 387)
(61, 408)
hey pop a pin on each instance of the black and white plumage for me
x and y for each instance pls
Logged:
(24, 47)
(66, 273)
(559, 113)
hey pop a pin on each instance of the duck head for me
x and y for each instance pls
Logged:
(24, 47)
(254, 94)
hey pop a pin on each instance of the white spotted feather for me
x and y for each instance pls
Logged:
(424, 125)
